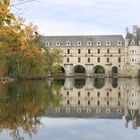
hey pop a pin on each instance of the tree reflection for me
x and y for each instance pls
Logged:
(21, 103)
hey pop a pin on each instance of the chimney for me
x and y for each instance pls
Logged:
(135, 29)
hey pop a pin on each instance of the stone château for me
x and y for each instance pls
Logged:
(92, 55)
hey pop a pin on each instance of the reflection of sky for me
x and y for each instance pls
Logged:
(83, 129)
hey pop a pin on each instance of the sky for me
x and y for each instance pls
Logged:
(81, 17)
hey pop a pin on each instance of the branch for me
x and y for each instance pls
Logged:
(20, 3)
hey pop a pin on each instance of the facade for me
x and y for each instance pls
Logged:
(94, 55)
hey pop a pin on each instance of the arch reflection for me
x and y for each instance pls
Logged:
(79, 83)
(114, 82)
(99, 83)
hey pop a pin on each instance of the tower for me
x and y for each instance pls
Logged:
(132, 52)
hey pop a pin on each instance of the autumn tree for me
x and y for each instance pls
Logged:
(21, 54)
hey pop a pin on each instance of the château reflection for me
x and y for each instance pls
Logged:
(100, 98)
(23, 104)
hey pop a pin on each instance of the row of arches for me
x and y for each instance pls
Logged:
(80, 70)
(98, 83)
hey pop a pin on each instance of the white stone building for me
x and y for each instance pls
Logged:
(94, 55)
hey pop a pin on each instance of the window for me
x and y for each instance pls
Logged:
(107, 94)
(98, 59)
(107, 50)
(132, 51)
(68, 51)
(119, 43)
(79, 51)
(68, 43)
(89, 103)
(67, 93)
(108, 43)
(79, 94)
(119, 59)
(119, 94)
(57, 43)
(119, 50)
(79, 43)
(68, 60)
(133, 43)
(78, 102)
(88, 94)
(68, 102)
(89, 51)
(47, 43)
(89, 43)
(98, 51)
(98, 94)
(79, 59)
(98, 103)
(108, 103)
(98, 43)
(132, 60)
(107, 59)
(88, 60)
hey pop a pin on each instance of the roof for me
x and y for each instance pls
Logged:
(84, 39)
(83, 114)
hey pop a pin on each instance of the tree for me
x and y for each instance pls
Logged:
(21, 54)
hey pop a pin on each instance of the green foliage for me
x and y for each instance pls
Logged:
(53, 60)
(20, 51)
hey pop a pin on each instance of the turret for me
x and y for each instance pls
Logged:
(127, 38)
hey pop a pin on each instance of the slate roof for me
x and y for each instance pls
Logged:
(83, 114)
(84, 39)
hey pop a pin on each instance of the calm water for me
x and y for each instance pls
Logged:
(70, 109)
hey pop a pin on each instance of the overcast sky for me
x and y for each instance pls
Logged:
(76, 17)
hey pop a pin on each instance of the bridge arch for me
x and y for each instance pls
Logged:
(114, 70)
(79, 70)
(98, 69)
(61, 69)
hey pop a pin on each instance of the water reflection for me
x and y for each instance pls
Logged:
(99, 83)
(100, 98)
(21, 104)
(79, 83)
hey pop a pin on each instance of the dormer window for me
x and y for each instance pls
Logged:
(89, 43)
(98, 43)
(47, 43)
(68, 43)
(79, 43)
(119, 43)
(108, 43)
(57, 43)
(133, 43)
